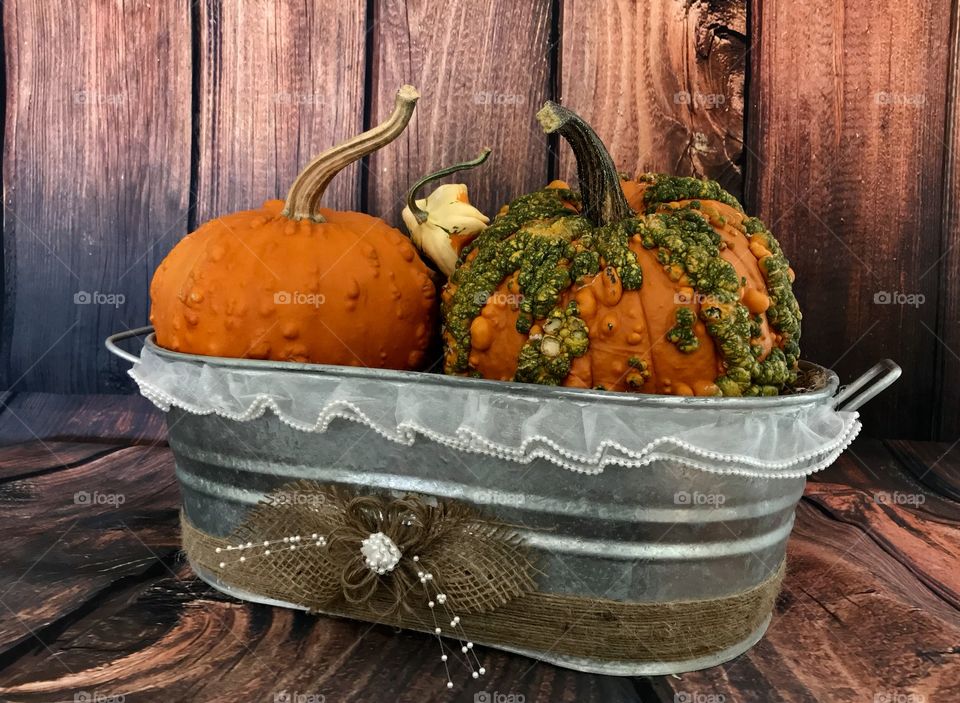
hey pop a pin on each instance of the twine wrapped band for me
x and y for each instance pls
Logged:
(335, 567)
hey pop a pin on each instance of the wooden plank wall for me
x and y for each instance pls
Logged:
(483, 69)
(846, 163)
(946, 410)
(269, 101)
(96, 179)
(661, 82)
(835, 120)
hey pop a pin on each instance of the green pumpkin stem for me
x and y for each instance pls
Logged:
(307, 190)
(420, 214)
(603, 199)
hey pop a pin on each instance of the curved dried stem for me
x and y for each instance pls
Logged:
(307, 190)
(603, 198)
(420, 214)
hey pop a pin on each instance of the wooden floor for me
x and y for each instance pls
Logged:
(96, 603)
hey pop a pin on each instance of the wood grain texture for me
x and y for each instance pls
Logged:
(928, 547)
(177, 639)
(845, 165)
(279, 82)
(483, 71)
(900, 472)
(936, 465)
(112, 419)
(29, 459)
(946, 408)
(78, 531)
(96, 170)
(662, 83)
(856, 620)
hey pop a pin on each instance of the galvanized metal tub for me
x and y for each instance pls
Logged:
(621, 535)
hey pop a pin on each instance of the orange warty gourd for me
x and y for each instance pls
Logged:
(668, 288)
(293, 281)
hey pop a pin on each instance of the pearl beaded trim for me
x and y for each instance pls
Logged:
(539, 447)
(812, 436)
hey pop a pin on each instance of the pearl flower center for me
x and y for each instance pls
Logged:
(380, 553)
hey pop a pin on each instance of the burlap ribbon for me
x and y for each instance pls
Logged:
(480, 565)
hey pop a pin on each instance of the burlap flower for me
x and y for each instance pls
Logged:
(336, 545)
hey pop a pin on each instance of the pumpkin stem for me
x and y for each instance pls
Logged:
(603, 198)
(307, 190)
(418, 213)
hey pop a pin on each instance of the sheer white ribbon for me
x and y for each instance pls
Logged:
(585, 436)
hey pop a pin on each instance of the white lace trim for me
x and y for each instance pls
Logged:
(809, 438)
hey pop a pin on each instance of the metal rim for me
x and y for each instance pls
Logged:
(818, 397)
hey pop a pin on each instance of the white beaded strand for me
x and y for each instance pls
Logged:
(466, 646)
(261, 549)
(436, 627)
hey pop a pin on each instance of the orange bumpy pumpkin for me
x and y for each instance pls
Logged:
(296, 282)
(670, 288)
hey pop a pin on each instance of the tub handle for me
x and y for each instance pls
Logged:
(111, 343)
(882, 375)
